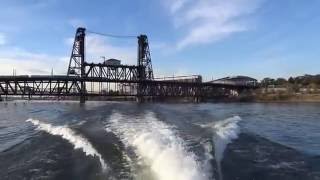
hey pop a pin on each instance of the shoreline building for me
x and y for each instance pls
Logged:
(112, 62)
(237, 80)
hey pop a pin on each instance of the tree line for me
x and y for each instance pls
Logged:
(303, 81)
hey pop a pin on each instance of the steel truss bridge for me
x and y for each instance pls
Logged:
(85, 80)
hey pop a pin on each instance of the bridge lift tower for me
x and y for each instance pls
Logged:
(78, 64)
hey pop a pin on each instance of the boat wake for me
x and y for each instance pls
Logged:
(157, 145)
(68, 134)
(224, 132)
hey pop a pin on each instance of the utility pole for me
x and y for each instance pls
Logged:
(14, 72)
(103, 58)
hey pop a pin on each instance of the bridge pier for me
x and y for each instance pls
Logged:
(197, 99)
(82, 99)
(139, 99)
(82, 92)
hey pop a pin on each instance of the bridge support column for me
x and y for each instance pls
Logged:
(198, 92)
(140, 86)
(82, 99)
(0, 98)
(83, 93)
(83, 67)
(197, 99)
(139, 99)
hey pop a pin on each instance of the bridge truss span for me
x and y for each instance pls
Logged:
(111, 72)
(39, 86)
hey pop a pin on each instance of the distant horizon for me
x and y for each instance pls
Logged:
(214, 39)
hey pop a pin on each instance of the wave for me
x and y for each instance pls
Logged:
(158, 146)
(68, 134)
(224, 132)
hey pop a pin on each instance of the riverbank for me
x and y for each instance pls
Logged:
(286, 98)
(248, 97)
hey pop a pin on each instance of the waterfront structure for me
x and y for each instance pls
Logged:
(111, 78)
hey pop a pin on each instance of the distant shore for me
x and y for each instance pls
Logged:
(249, 98)
(287, 98)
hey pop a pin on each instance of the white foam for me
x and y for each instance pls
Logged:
(224, 132)
(68, 134)
(158, 146)
(287, 165)
(208, 157)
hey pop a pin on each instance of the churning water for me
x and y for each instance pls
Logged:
(100, 140)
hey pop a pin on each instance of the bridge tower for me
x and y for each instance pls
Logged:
(77, 60)
(144, 59)
(145, 71)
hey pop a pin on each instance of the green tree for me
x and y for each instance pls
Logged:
(291, 80)
(281, 81)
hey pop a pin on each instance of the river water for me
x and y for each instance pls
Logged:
(125, 140)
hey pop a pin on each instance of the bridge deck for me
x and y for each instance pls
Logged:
(42, 78)
(59, 86)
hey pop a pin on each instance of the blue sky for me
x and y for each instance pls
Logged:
(215, 38)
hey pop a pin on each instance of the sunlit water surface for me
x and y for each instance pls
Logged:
(101, 140)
